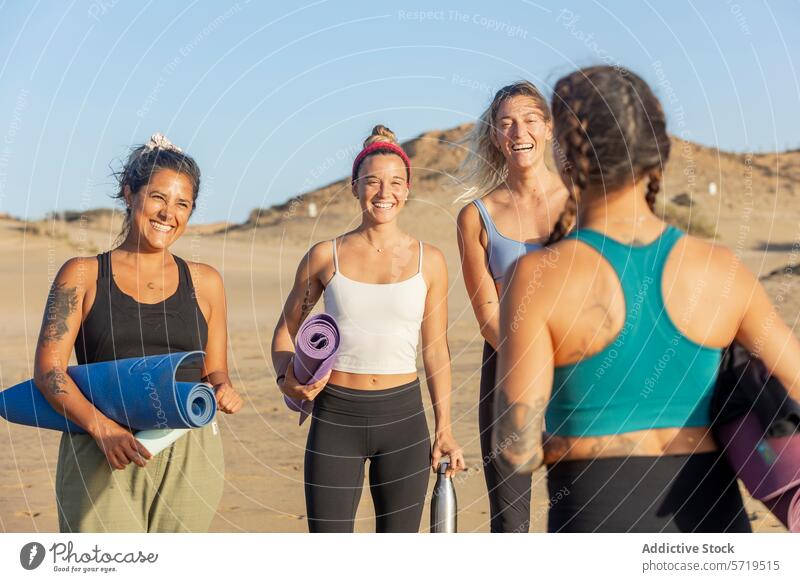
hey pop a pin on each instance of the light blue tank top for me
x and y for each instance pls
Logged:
(503, 251)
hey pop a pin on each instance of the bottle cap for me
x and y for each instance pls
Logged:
(443, 465)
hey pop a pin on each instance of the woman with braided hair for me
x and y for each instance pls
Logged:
(522, 198)
(611, 336)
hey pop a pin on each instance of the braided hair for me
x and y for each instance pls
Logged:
(609, 130)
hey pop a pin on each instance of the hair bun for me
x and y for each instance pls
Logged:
(381, 133)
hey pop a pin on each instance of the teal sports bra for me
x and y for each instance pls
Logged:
(651, 375)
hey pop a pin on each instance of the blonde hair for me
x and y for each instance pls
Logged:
(485, 166)
(381, 133)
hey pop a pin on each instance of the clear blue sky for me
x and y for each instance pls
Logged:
(272, 98)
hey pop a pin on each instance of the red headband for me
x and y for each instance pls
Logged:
(382, 146)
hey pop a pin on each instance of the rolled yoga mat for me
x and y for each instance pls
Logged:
(316, 346)
(769, 467)
(158, 439)
(140, 393)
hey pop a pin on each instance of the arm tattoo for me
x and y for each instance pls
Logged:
(55, 381)
(61, 303)
(518, 432)
(307, 305)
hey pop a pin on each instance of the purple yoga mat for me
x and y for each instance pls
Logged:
(768, 467)
(316, 346)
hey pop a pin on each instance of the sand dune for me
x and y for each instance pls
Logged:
(755, 211)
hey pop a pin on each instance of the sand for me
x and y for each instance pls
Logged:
(263, 444)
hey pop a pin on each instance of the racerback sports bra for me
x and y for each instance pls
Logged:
(652, 375)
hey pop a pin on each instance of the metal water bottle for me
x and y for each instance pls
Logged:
(443, 503)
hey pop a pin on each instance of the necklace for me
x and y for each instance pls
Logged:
(361, 234)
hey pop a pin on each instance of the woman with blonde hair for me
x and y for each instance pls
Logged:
(519, 203)
(383, 288)
(616, 348)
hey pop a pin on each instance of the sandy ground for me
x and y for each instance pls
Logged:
(755, 211)
(263, 445)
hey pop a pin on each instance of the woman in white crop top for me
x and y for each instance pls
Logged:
(385, 289)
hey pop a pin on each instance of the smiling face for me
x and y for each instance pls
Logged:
(160, 210)
(521, 132)
(382, 187)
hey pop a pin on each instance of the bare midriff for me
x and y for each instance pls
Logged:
(643, 443)
(370, 381)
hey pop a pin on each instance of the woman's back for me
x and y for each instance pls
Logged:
(637, 335)
(701, 287)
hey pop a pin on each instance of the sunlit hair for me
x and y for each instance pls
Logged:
(485, 166)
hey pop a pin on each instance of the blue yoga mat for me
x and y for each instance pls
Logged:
(140, 393)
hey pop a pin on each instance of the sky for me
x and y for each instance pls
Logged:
(274, 98)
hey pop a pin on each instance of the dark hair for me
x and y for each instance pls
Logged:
(144, 162)
(485, 165)
(610, 130)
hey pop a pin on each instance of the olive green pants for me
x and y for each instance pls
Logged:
(177, 491)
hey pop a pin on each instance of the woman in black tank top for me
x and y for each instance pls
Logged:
(134, 301)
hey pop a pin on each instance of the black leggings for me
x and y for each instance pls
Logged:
(388, 427)
(682, 493)
(509, 492)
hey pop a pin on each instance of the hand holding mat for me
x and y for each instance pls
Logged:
(140, 393)
(316, 346)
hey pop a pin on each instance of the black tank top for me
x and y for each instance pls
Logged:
(120, 327)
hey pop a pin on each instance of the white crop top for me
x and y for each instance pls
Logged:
(379, 323)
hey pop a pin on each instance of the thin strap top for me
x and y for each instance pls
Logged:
(118, 326)
(379, 323)
(503, 251)
(651, 375)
